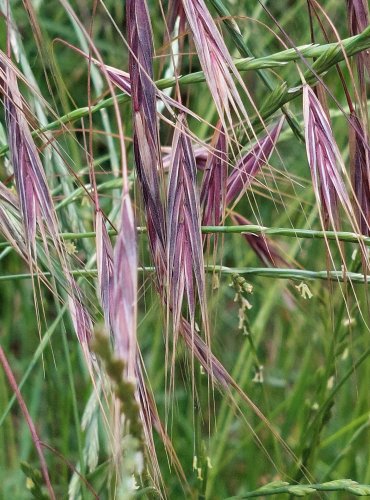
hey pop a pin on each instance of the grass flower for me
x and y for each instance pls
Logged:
(324, 159)
(116, 177)
(184, 251)
(250, 164)
(35, 202)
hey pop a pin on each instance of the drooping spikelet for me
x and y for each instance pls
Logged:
(146, 141)
(360, 172)
(124, 293)
(213, 189)
(35, 201)
(184, 240)
(265, 249)
(324, 158)
(250, 164)
(216, 61)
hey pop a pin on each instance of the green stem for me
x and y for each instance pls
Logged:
(284, 231)
(266, 272)
(346, 485)
(310, 234)
(327, 56)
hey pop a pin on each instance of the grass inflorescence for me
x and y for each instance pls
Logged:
(184, 254)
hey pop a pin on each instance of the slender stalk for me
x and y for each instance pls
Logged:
(346, 485)
(328, 55)
(290, 232)
(310, 234)
(266, 272)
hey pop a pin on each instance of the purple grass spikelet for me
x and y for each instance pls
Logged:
(146, 141)
(35, 201)
(124, 293)
(360, 172)
(213, 189)
(184, 251)
(265, 249)
(324, 158)
(250, 164)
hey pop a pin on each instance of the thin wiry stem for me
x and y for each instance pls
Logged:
(310, 234)
(266, 272)
(330, 54)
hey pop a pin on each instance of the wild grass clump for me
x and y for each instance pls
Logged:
(184, 254)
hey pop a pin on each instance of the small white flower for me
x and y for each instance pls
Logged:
(304, 290)
(70, 247)
(330, 382)
(258, 378)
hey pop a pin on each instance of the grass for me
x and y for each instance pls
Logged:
(184, 286)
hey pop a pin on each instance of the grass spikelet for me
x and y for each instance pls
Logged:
(324, 158)
(360, 172)
(265, 249)
(146, 142)
(80, 316)
(105, 267)
(124, 293)
(117, 273)
(249, 165)
(185, 252)
(9, 223)
(35, 202)
(216, 62)
(358, 21)
(213, 189)
(30, 180)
